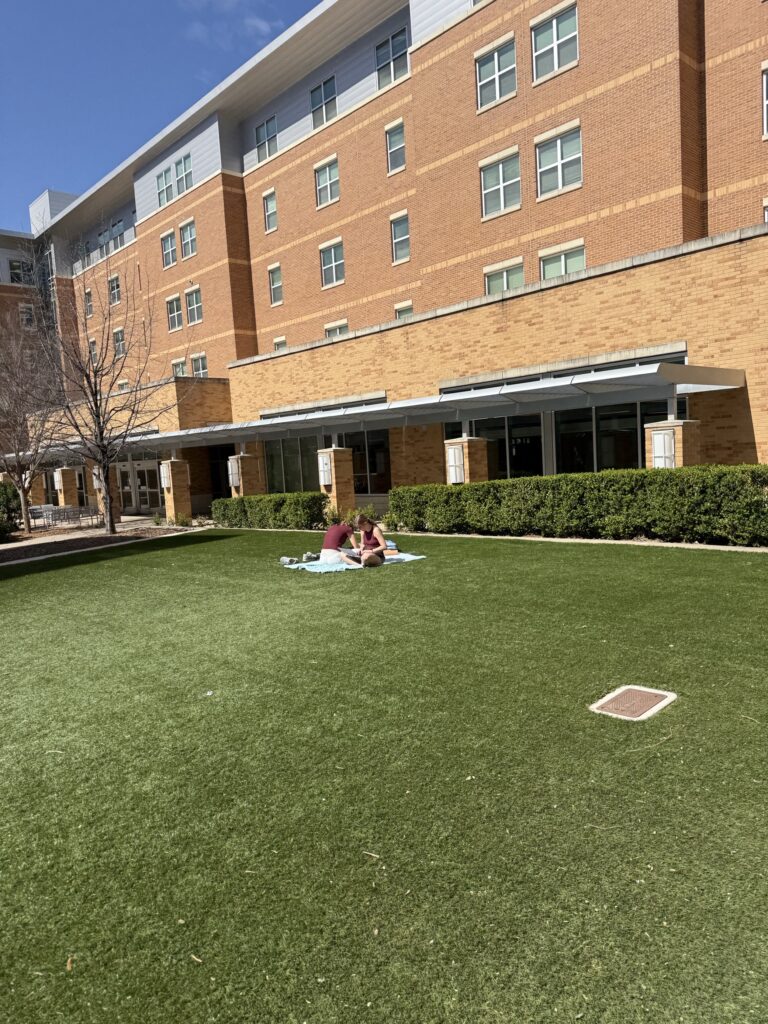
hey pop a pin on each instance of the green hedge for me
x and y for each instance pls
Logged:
(10, 511)
(697, 504)
(302, 510)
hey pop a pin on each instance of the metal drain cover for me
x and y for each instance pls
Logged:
(635, 703)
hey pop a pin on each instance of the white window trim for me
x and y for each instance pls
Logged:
(398, 215)
(282, 340)
(394, 124)
(186, 224)
(270, 268)
(336, 323)
(194, 288)
(555, 250)
(177, 362)
(562, 191)
(490, 48)
(392, 218)
(326, 245)
(555, 73)
(167, 234)
(546, 137)
(404, 305)
(552, 13)
(494, 268)
(763, 104)
(336, 284)
(170, 298)
(486, 162)
(502, 41)
(189, 220)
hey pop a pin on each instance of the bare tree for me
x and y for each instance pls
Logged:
(30, 401)
(100, 342)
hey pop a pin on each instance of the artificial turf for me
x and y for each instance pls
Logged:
(237, 794)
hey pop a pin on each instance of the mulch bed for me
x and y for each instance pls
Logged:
(26, 549)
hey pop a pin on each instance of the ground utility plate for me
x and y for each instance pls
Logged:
(634, 703)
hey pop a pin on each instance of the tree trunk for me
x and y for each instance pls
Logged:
(24, 498)
(109, 520)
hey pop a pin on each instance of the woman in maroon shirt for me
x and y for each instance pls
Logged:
(334, 540)
(372, 543)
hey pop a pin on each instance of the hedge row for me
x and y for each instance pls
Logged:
(697, 504)
(303, 510)
(10, 511)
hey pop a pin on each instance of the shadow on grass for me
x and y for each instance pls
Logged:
(51, 564)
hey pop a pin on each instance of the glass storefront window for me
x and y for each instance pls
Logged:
(495, 432)
(274, 456)
(573, 441)
(526, 456)
(379, 475)
(310, 481)
(617, 443)
(291, 464)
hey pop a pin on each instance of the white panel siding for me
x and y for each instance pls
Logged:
(356, 80)
(126, 213)
(202, 143)
(429, 16)
(5, 255)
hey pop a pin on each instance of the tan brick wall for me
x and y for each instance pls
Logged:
(416, 455)
(652, 304)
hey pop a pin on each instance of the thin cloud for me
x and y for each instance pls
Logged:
(223, 24)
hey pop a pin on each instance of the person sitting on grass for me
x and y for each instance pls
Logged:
(372, 543)
(335, 538)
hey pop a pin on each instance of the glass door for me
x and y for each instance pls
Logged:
(125, 478)
(147, 486)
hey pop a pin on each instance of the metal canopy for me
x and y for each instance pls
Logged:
(648, 382)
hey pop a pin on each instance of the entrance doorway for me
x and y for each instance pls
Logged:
(140, 490)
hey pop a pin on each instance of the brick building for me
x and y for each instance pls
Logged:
(443, 240)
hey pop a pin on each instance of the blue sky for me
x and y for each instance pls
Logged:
(89, 81)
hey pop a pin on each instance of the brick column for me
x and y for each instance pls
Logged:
(114, 493)
(252, 473)
(37, 491)
(474, 461)
(178, 498)
(684, 440)
(341, 490)
(67, 487)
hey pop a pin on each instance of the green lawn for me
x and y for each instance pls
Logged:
(394, 807)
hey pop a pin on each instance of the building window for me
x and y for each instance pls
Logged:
(164, 187)
(88, 303)
(26, 316)
(276, 285)
(270, 211)
(118, 234)
(503, 278)
(168, 247)
(555, 43)
(395, 147)
(183, 174)
(280, 344)
(558, 162)
(173, 307)
(765, 102)
(559, 263)
(179, 367)
(118, 339)
(103, 240)
(332, 264)
(327, 183)
(188, 240)
(200, 365)
(337, 329)
(114, 290)
(392, 58)
(194, 306)
(20, 272)
(122, 386)
(266, 139)
(496, 75)
(401, 238)
(500, 182)
(403, 311)
(93, 352)
(323, 102)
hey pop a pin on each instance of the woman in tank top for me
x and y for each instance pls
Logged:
(372, 543)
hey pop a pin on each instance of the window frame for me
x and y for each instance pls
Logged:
(179, 367)
(395, 219)
(494, 50)
(118, 344)
(503, 269)
(554, 16)
(391, 150)
(164, 190)
(88, 302)
(402, 308)
(172, 315)
(202, 371)
(563, 251)
(499, 160)
(171, 249)
(185, 176)
(337, 329)
(187, 226)
(328, 184)
(26, 316)
(390, 61)
(333, 265)
(557, 135)
(114, 301)
(270, 194)
(197, 306)
(275, 283)
(24, 275)
(326, 103)
(279, 344)
(270, 141)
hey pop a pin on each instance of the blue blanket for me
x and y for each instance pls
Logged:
(343, 566)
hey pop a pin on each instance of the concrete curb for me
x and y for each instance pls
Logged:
(101, 547)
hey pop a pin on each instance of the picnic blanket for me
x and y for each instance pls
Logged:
(343, 566)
